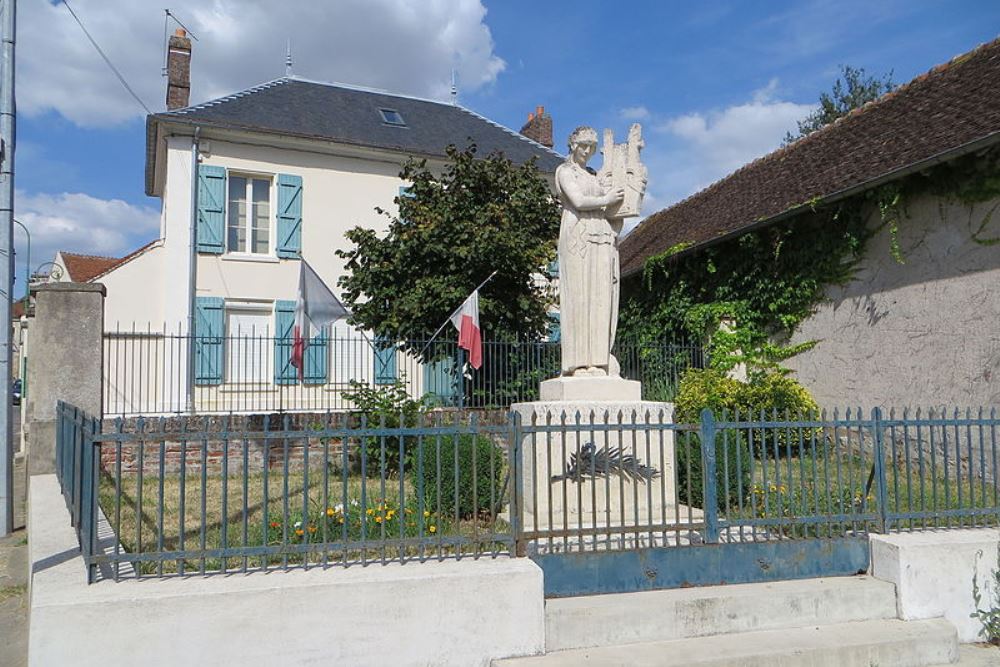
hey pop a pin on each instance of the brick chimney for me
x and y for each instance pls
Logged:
(178, 70)
(539, 127)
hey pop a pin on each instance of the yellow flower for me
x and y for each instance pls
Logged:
(329, 511)
(409, 511)
(782, 488)
(340, 520)
(390, 514)
(433, 528)
(426, 514)
(378, 519)
(370, 511)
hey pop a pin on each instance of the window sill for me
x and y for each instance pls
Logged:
(235, 257)
(249, 387)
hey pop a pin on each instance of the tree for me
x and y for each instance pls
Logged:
(853, 89)
(452, 231)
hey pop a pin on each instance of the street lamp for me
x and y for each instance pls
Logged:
(27, 263)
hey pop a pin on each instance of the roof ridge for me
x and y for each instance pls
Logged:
(80, 254)
(228, 98)
(510, 131)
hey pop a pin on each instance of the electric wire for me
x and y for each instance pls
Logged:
(106, 59)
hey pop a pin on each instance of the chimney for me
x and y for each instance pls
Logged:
(539, 127)
(178, 70)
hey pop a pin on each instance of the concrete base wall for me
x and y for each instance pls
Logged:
(451, 613)
(933, 573)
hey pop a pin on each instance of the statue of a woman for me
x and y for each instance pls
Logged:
(588, 263)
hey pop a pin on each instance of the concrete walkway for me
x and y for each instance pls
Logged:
(14, 581)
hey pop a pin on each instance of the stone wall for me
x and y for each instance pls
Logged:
(922, 333)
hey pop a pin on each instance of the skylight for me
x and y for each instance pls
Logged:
(392, 117)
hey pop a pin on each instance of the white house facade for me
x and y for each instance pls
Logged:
(250, 185)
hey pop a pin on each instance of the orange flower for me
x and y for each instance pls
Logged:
(312, 529)
(299, 532)
(275, 524)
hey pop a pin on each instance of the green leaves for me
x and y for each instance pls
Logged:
(454, 229)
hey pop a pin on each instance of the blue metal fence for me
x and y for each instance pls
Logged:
(604, 501)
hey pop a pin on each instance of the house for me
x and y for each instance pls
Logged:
(918, 323)
(250, 184)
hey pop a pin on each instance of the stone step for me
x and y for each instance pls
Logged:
(885, 643)
(630, 618)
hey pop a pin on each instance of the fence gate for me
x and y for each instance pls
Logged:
(628, 500)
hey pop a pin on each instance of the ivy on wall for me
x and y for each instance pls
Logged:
(769, 280)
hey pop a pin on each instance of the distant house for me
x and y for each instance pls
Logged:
(255, 182)
(923, 332)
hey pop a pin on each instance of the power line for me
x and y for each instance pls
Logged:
(107, 60)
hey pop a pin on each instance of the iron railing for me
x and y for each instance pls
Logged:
(146, 372)
(238, 493)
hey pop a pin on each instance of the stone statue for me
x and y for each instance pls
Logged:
(594, 209)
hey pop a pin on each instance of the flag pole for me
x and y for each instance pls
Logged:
(448, 319)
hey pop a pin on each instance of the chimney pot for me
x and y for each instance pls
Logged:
(539, 127)
(178, 70)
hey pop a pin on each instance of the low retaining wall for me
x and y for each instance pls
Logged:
(440, 613)
(933, 571)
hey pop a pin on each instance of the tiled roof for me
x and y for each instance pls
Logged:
(351, 115)
(82, 268)
(952, 110)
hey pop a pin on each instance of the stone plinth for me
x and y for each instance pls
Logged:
(553, 431)
(593, 389)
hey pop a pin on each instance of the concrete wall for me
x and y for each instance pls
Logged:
(924, 333)
(449, 613)
(933, 572)
(66, 362)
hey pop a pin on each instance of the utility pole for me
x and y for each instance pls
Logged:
(7, 15)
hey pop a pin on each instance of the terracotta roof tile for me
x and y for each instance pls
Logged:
(952, 108)
(82, 268)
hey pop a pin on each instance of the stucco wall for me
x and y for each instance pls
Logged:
(923, 333)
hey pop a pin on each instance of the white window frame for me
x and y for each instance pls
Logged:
(264, 340)
(272, 227)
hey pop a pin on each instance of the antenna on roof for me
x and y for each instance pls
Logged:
(167, 17)
(288, 59)
(454, 86)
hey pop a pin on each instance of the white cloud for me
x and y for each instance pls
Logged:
(407, 46)
(83, 224)
(634, 113)
(696, 149)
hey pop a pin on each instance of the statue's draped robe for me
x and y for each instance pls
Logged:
(588, 279)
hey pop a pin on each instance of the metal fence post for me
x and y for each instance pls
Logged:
(878, 470)
(88, 497)
(710, 491)
(517, 485)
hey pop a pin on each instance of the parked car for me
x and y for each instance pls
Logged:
(15, 391)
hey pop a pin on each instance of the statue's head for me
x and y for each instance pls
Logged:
(584, 140)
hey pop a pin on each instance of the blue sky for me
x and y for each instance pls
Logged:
(715, 84)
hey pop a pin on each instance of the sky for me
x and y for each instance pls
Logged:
(714, 84)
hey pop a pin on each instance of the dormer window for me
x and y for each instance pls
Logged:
(392, 117)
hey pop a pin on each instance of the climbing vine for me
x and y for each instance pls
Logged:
(770, 280)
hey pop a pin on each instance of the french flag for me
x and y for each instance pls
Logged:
(316, 306)
(466, 320)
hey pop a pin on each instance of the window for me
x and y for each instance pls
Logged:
(248, 221)
(392, 117)
(249, 345)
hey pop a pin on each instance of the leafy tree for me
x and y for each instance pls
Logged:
(453, 230)
(853, 89)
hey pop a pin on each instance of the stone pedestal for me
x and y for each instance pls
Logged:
(592, 389)
(557, 498)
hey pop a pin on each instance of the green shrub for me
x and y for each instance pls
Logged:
(480, 487)
(777, 394)
(389, 405)
(712, 389)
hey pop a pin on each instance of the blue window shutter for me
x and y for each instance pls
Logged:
(211, 209)
(284, 321)
(209, 340)
(441, 380)
(316, 360)
(385, 361)
(554, 330)
(289, 215)
(553, 269)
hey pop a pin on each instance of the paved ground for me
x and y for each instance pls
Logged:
(978, 655)
(14, 576)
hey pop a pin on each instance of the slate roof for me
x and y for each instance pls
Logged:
(82, 268)
(350, 115)
(952, 110)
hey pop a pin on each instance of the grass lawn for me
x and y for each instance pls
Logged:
(300, 517)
